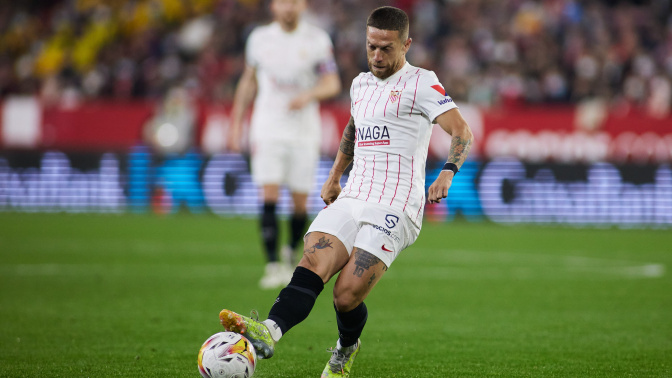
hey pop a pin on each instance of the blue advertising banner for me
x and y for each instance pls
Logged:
(501, 190)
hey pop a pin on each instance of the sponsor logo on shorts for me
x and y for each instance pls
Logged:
(385, 249)
(391, 220)
(386, 231)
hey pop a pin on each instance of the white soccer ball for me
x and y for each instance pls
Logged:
(227, 355)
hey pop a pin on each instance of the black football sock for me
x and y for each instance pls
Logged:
(297, 229)
(351, 324)
(269, 231)
(295, 301)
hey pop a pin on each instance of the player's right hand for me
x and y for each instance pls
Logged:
(233, 145)
(439, 188)
(233, 140)
(330, 191)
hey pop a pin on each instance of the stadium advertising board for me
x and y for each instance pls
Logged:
(503, 190)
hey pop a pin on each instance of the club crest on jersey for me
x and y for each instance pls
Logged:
(394, 96)
(372, 136)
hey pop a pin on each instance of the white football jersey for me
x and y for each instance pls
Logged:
(393, 121)
(287, 64)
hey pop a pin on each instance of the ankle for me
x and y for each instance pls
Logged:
(348, 349)
(273, 329)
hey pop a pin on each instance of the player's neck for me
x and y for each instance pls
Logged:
(396, 69)
(402, 63)
(288, 27)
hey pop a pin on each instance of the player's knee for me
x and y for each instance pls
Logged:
(311, 262)
(345, 299)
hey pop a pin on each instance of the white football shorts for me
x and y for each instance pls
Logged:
(375, 228)
(290, 163)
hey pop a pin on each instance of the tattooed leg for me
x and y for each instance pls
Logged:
(323, 243)
(357, 279)
(323, 254)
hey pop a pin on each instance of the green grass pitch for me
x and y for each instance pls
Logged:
(136, 296)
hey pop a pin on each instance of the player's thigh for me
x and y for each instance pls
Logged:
(332, 232)
(384, 232)
(303, 161)
(357, 279)
(323, 254)
(269, 162)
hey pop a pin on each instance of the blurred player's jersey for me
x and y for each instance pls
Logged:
(287, 64)
(393, 120)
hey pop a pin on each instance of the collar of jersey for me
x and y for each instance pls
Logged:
(282, 31)
(396, 75)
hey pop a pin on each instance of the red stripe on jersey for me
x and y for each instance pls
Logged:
(373, 174)
(354, 174)
(399, 103)
(398, 177)
(368, 102)
(376, 104)
(359, 191)
(415, 93)
(411, 188)
(359, 86)
(388, 97)
(387, 165)
(402, 90)
(362, 99)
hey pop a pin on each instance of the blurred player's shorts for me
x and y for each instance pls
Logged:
(289, 163)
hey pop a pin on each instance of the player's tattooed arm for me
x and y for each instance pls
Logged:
(455, 125)
(346, 152)
(347, 146)
(459, 150)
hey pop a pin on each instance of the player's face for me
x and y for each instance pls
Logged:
(288, 12)
(385, 51)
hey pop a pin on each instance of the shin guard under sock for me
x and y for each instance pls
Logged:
(351, 324)
(269, 231)
(295, 301)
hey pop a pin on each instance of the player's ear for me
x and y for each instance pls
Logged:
(407, 44)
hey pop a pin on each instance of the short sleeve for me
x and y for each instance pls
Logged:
(432, 99)
(251, 49)
(325, 55)
(352, 95)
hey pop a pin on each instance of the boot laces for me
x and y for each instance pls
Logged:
(337, 360)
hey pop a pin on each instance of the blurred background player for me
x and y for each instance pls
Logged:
(378, 213)
(290, 65)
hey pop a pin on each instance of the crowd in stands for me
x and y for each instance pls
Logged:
(486, 52)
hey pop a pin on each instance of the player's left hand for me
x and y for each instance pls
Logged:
(439, 188)
(300, 101)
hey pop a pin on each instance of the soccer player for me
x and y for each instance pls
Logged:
(290, 65)
(378, 213)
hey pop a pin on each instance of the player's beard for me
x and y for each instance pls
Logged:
(289, 22)
(387, 71)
